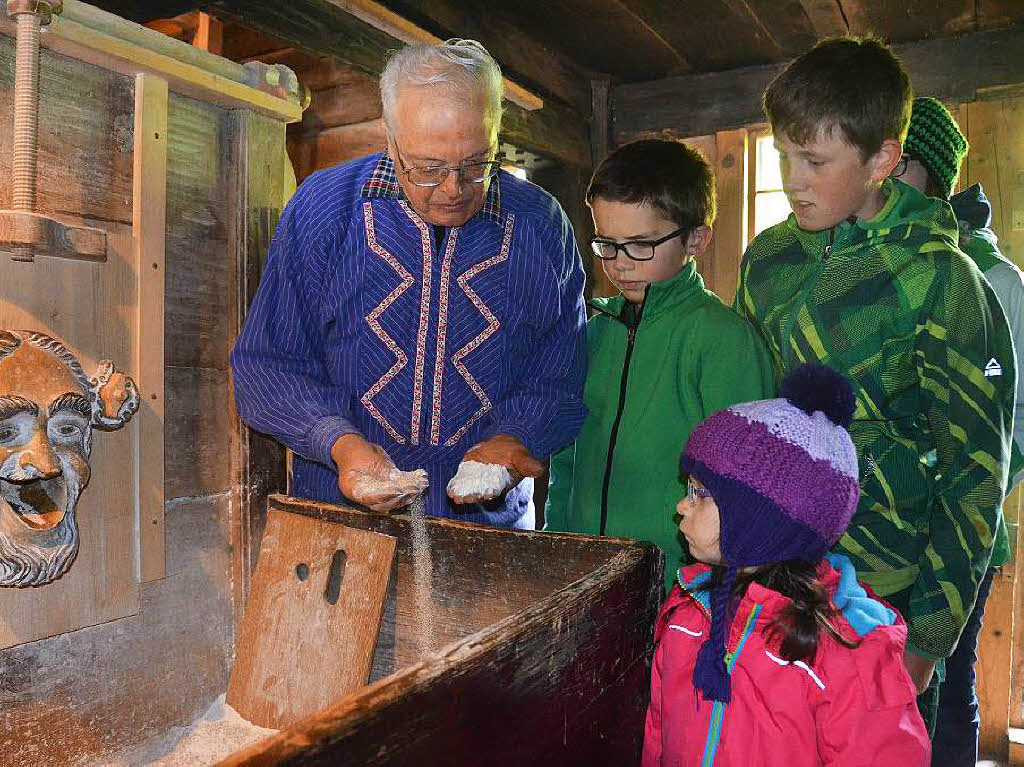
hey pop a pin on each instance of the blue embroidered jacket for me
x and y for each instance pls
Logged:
(362, 325)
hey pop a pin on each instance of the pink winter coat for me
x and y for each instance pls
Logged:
(848, 707)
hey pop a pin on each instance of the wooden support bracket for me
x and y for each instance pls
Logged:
(46, 236)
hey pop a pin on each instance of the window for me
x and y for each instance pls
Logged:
(770, 205)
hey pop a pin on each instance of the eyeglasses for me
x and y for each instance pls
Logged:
(636, 250)
(693, 493)
(901, 166)
(435, 175)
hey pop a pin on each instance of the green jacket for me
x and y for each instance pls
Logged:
(893, 304)
(690, 356)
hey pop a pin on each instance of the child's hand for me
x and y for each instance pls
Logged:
(919, 668)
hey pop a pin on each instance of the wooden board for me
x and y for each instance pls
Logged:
(311, 623)
(730, 240)
(149, 217)
(92, 308)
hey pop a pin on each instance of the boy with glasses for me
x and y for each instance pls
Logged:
(662, 355)
(865, 277)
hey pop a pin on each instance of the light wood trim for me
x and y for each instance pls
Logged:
(389, 22)
(149, 221)
(210, 34)
(120, 46)
(731, 224)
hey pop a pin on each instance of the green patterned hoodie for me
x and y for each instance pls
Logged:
(892, 303)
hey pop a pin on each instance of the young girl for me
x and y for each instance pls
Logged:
(766, 654)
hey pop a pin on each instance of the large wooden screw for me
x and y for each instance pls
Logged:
(29, 15)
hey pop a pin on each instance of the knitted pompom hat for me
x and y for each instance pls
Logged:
(783, 473)
(935, 140)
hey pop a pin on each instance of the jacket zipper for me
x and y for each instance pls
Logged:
(613, 436)
(795, 313)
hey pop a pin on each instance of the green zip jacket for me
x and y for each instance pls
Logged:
(893, 304)
(691, 356)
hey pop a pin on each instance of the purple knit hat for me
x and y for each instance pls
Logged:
(783, 473)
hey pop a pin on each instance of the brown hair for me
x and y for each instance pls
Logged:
(810, 612)
(854, 84)
(663, 173)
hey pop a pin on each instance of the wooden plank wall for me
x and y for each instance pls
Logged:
(996, 160)
(109, 685)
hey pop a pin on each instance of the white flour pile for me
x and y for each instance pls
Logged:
(422, 576)
(485, 480)
(217, 734)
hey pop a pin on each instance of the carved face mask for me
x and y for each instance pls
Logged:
(47, 410)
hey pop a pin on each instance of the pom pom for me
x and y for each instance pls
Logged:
(817, 387)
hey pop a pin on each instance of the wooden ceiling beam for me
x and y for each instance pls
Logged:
(826, 17)
(950, 68)
(322, 28)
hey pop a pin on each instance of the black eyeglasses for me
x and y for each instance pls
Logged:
(637, 250)
(435, 175)
(901, 166)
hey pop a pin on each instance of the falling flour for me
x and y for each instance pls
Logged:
(422, 576)
(485, 480)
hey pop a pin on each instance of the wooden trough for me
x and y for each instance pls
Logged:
(544, 649)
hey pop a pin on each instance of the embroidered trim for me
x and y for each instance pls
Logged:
(421, 333)
(685, 630)
(492, 327)
(401, 358)
(798, 664)
(442, 338)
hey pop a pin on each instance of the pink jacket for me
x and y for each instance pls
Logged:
(849, 707)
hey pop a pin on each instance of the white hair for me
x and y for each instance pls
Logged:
(459, 69)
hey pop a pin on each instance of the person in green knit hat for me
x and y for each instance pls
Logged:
(662, 355)
(932, 154)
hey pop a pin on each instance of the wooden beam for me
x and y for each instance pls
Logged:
(149, 230)
(210, 34)
(600, 120)
(519, 51)
(104, 40)
(826, 17)
(322, 28)
(950, 68)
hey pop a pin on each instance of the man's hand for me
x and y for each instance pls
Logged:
(501, 450)
(367, 475)
(919, 668)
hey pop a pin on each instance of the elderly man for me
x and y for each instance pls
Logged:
(420, 309)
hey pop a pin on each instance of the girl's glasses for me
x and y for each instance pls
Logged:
(693, 493)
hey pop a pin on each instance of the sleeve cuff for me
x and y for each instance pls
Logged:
(324, 433)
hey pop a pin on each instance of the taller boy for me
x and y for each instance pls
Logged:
(865, 277)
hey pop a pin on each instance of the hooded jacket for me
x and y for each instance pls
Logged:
(893, 303)
(850, 706)
(974, 214)
(651, 379)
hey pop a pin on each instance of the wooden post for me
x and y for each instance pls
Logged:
(210, 34)
(149, 223)
(731, 225)
(600, 119)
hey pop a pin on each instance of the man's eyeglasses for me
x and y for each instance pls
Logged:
(637, 250)
(435, 175)
(693, 493)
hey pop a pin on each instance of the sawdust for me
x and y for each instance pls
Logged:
(218, 733)
(482, 480)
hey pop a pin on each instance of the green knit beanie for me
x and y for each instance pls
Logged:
(934, 139)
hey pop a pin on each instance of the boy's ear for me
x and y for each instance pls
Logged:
(698, 241)
(884, 161)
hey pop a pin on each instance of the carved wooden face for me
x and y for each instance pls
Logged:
(45, 439)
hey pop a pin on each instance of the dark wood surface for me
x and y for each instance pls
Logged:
(954, 68)
(549, 661)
